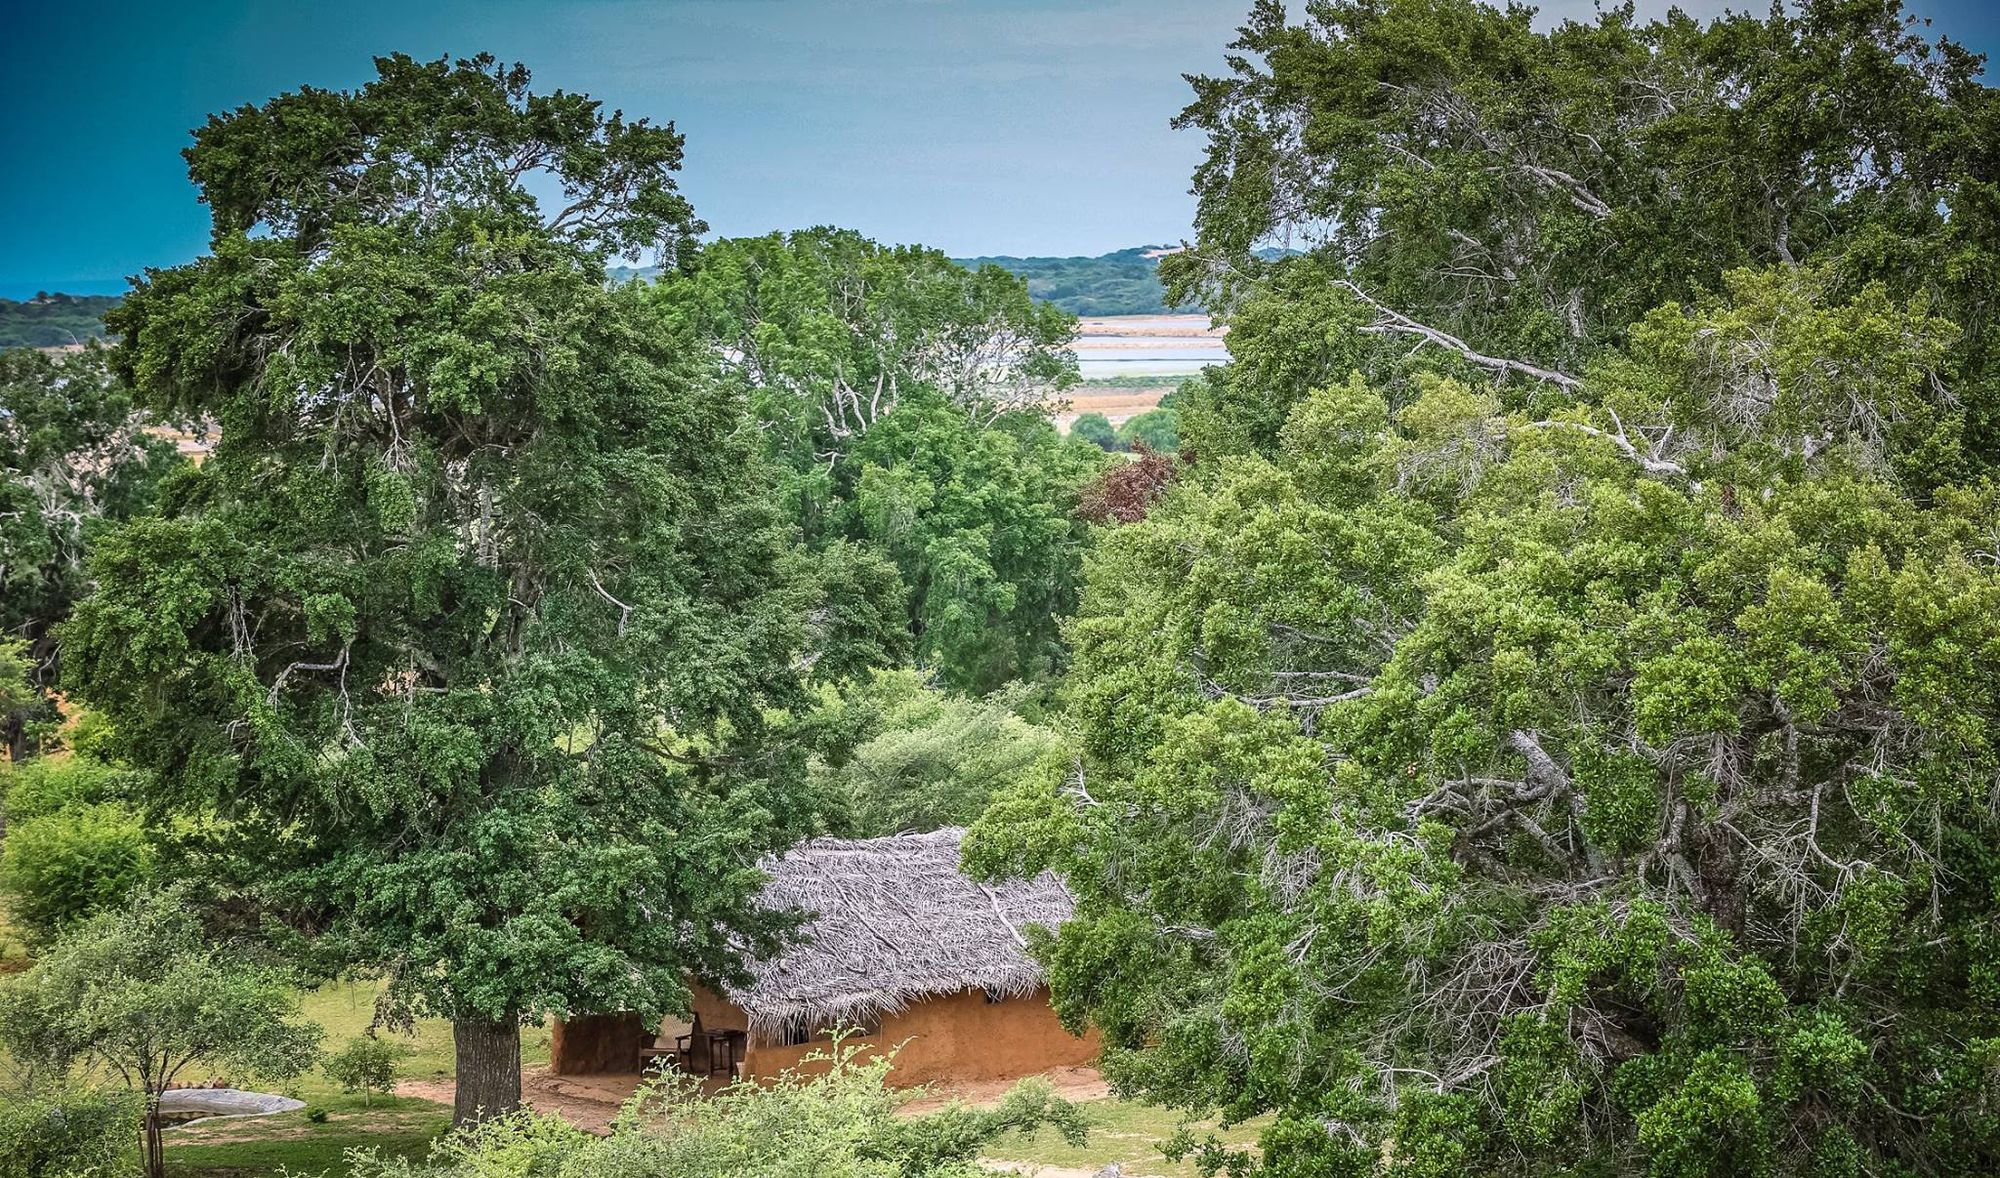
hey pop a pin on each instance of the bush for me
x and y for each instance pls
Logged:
(70, 864)
(922, 758)
(366, 1065)
(40, 787)
(1156, 429)
(840, 1124)
(1095, 428)
(68, 1132)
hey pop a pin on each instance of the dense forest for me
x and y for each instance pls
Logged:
(53, 320)
(1125, 282)
(1532, 712)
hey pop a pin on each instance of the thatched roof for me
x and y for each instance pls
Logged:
(894, 920)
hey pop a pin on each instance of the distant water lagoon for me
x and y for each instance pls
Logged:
(1094, 369)
(1147, 345)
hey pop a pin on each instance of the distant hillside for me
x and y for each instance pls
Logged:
(50, 320)
(1123, 283)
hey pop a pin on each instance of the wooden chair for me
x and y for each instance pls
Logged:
(654, 1051)
(677, 1055)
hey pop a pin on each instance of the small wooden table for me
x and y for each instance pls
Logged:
(725, 1047)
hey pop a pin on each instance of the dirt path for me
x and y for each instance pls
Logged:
(588, 1102)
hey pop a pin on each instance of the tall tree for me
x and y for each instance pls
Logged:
(1464, 185)
(1549, 730)
(1501, 794)
(903, 398)
(828, 331)
(75, 456)
(980, 522)
(478, 610)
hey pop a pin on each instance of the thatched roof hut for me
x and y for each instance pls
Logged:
(893, 921)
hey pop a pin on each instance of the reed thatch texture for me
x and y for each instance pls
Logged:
(893, 920)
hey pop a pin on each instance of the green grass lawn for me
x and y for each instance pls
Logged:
(345, 1010)
(1120, 1131)
(290, 1141)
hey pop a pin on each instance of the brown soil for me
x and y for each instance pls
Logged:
(1118, 405)
(1150, 325)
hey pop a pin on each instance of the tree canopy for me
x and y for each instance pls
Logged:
(901, 400)
(470, 629)
(76, 455)
(1564, 747)
(1465, 185)
(903, 755)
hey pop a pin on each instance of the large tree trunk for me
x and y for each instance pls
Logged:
(489, 1068)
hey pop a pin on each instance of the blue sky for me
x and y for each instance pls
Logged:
(979, 126)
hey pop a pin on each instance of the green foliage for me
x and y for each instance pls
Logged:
(75, 844)
(1157, 430)
(1168, 381)
(1595, 784)
(915, 758)
(1527, 196)
(839, 1124)
(1096, 429)
(146, 992)
(900, 398)
(44, 785)
(18, 695)
(827, 332)
(979, 521)
(69, 1132)
(365, 1064)
(465, 641)
(61, 867)
(53, 320)
(79, 457)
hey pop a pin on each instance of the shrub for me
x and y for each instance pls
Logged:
(1095, 428)
(1126, 492)
(922, 758)
(366, 1065)
(40, 787)
(1155, 429)
(68, 1132)
(840, 1124)
(64, 866)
